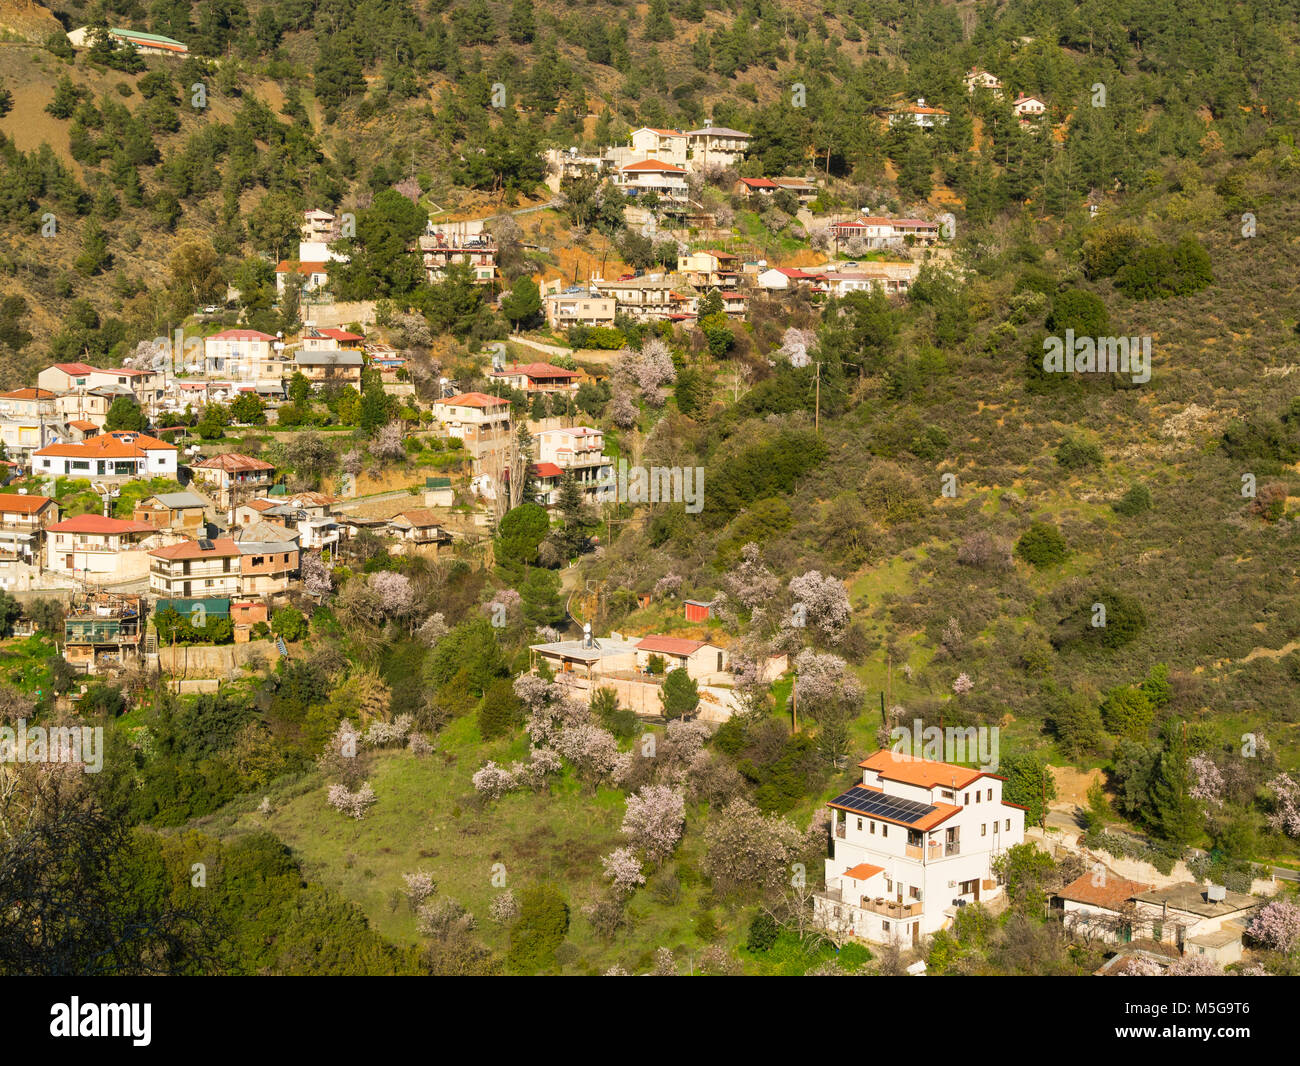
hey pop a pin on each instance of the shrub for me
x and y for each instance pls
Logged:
(1134, 502)
(763, 932)
(1075, 454)
(289, 623)
(1042, 545)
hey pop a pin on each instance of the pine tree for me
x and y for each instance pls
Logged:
(1175, 814)
(520, 26)
(658, 23)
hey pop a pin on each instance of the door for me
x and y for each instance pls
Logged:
(916, 933)
(69, 562)
(186, 590)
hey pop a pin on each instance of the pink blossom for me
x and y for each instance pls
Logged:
(654, 820)
(623, 869)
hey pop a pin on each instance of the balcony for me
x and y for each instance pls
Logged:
(953, 847)
(892, 908)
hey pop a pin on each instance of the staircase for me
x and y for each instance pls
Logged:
(281, 647)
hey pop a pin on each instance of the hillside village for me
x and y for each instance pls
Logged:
(554, 491)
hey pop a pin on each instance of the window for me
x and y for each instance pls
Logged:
(947, 794)
(859, 825)
(884, 926)
(966, 800)
(990, 796)
(257, 560)
(884, 829)
(984, 829)
(208, 583)
(1008, 825)
(977, 797)
(914, 892)
(873, 827)
(889, 885)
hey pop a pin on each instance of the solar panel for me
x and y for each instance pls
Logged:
(206, 545)
(895, 808)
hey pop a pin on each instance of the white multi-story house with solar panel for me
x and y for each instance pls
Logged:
(911, 844)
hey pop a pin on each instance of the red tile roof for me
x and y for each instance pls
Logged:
(233, 462)
(669, 645)
(75, 369)
(536, 370)
(760, 183)
(1102, 889)
(547, 470)
(653, 164)
(863, 871)
(189, 549)
(97, 523)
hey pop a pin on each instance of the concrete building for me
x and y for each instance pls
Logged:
(715, 146)
(23, 522)
(579, 307)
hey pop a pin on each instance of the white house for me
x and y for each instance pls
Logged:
(909, 845)
(1028, 107)
(93, 547)
(919, 114)
(667, 180)
(982, 79)
(120, 454)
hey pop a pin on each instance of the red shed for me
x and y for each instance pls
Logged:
(697, 610)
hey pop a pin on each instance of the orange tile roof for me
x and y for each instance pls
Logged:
(189, 549)
(924, 773)
(27, 394)
(241, 335)
(473, 399)
(74, 369)
(863, 871)
(12, 503)
(115, 445)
